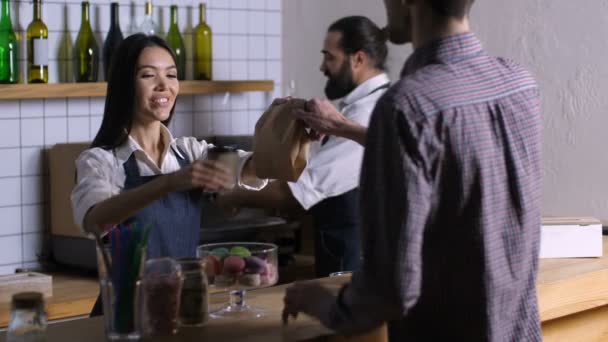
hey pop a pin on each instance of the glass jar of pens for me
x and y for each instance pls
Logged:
(120, 265)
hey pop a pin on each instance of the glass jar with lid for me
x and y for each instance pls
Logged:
(194, 303)
(28, 319)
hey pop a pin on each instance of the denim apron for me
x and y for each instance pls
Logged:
(175, 218)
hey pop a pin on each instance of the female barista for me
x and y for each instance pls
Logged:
(135, 171)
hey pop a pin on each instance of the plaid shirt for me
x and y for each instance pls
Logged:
(451, 194)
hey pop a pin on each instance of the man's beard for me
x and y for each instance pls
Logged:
(340, 85)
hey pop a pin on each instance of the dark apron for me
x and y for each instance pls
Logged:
(337, 228)
(337, 233)
(175, 219)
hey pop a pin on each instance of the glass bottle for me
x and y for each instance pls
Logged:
(148, 26)
(175, 41)
(86, 52)
(37, 48)
(28, 318)
(113, 39)
(9, 48)
(202, 47)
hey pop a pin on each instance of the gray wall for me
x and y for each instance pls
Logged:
(305, 23)
(564, 43)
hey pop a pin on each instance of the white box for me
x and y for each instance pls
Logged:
(570, 237)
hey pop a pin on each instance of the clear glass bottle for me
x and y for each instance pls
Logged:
(28, 318)
(148, 26)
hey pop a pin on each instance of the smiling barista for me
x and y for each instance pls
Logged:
(354, 55)
(135, 171)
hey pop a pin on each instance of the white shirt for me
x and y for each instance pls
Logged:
(101, 175)
(333, 169)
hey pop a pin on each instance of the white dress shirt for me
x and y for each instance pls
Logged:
(333, 168)
(101, 175)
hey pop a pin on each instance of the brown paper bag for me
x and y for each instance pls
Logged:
(280, 143)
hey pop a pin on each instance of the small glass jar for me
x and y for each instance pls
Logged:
(161, 287)
(28, 318)
(194, 304)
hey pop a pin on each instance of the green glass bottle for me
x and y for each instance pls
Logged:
(202, 47)
(175, 41)
(86, 51)
(37, 48)
(9, 48)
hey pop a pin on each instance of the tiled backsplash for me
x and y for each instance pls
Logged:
(247, 45)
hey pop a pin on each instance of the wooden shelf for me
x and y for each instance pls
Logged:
(98, 89)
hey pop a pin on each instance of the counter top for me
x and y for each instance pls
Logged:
(568, 289)
(568, 286)
(73, 296)
(267, 329)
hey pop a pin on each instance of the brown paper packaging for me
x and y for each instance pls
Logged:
(280, 143)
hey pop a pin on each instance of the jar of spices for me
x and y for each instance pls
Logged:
(28, 318)
(194, 308)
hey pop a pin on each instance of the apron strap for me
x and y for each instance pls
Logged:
(181, 156)
(130, 166)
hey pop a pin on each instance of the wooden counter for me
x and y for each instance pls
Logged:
(73, 296)
(572, 294)
(267, 329)
(573, 298)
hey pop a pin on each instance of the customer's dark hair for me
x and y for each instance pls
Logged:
(452, 8)
(361, 34)
(120, 96)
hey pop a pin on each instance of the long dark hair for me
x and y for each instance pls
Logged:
(120, 98)
(361, 34)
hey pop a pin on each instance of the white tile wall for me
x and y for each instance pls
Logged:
(78, 129)
(78, 106)
(11, 162)
(32, 132)
(246, 45)
(10, 249)
(31, 190)
(31, 161)
(9, 133)
(55, 107)
(32, 218)
(10, 109)
(240, 122)
(11, 191)
(11, 221)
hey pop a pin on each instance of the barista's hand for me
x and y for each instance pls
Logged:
(210, 175)
(322, 117)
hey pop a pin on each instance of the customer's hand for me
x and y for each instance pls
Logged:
(209, 175)
(322, 117)
(309, 297)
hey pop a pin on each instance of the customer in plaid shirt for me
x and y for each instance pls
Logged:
(450, 192)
